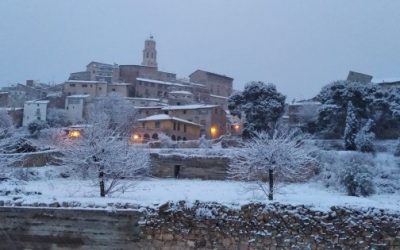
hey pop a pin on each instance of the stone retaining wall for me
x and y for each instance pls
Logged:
(199, 226)
(201, 167)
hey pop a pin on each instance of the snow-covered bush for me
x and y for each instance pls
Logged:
(397, 150)
(351, 172)
(57, 118)
(365, 138)
(166, 141)
(204, 143)
(357, 180)
(282, 156)
(36, 126)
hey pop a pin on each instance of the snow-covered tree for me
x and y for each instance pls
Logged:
(351, 129)
(103, 153)
(121, 113)
(370, 101)
(280, 157)
(365, 138)
(261, 104)
(57, 118)
(6, 125)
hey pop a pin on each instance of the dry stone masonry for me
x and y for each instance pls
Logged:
(198, 226)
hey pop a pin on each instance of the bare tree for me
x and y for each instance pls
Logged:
(103, 152)
(282, 156)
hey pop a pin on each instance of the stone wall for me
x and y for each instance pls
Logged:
(199, 226)
(190, 166)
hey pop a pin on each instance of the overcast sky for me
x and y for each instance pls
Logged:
(297, 45)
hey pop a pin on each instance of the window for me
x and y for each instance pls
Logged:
(179, 126)
(157, 124)
(184, 111)
(113, 90)
(174, 125)
(72, 85)
(84, 85)
(173, 137)
(184, 127)
(155, 136)
(99, 88)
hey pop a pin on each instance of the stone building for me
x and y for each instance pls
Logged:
(388, 82)
(97, 71)
(211, 117)
(20, 93)
(121, 89)
(176, 128)
(358, 77)
(34, 110)
(303, 112)
(219, 85)
(76, 107)
(92, 88)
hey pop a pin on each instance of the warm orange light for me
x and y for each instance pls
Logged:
(213, 131)
(74, 134)
(135, 138)
(236, 126)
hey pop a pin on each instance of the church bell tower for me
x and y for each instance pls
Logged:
(150, 53)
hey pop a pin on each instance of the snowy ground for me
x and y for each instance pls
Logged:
(155, 192)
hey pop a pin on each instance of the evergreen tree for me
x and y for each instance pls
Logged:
(365, 138)
(351, 128)
(261, 104)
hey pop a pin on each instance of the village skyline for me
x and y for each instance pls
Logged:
(267, 41)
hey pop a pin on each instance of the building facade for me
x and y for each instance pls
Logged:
(34, 110)
(219, 85)
(178, 129)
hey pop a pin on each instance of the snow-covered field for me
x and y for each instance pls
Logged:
(154, 192)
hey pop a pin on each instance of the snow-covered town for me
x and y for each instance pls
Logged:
(133, 156)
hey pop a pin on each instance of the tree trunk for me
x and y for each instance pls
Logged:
(101, 183)
(271, 184)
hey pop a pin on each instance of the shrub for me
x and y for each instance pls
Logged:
(35, 127)
(397, 151)
(358, 182)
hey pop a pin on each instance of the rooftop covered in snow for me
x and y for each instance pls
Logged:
(164, 117)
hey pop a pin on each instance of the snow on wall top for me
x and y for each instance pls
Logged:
(183, 92)
(162, 117)
(190, 106)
